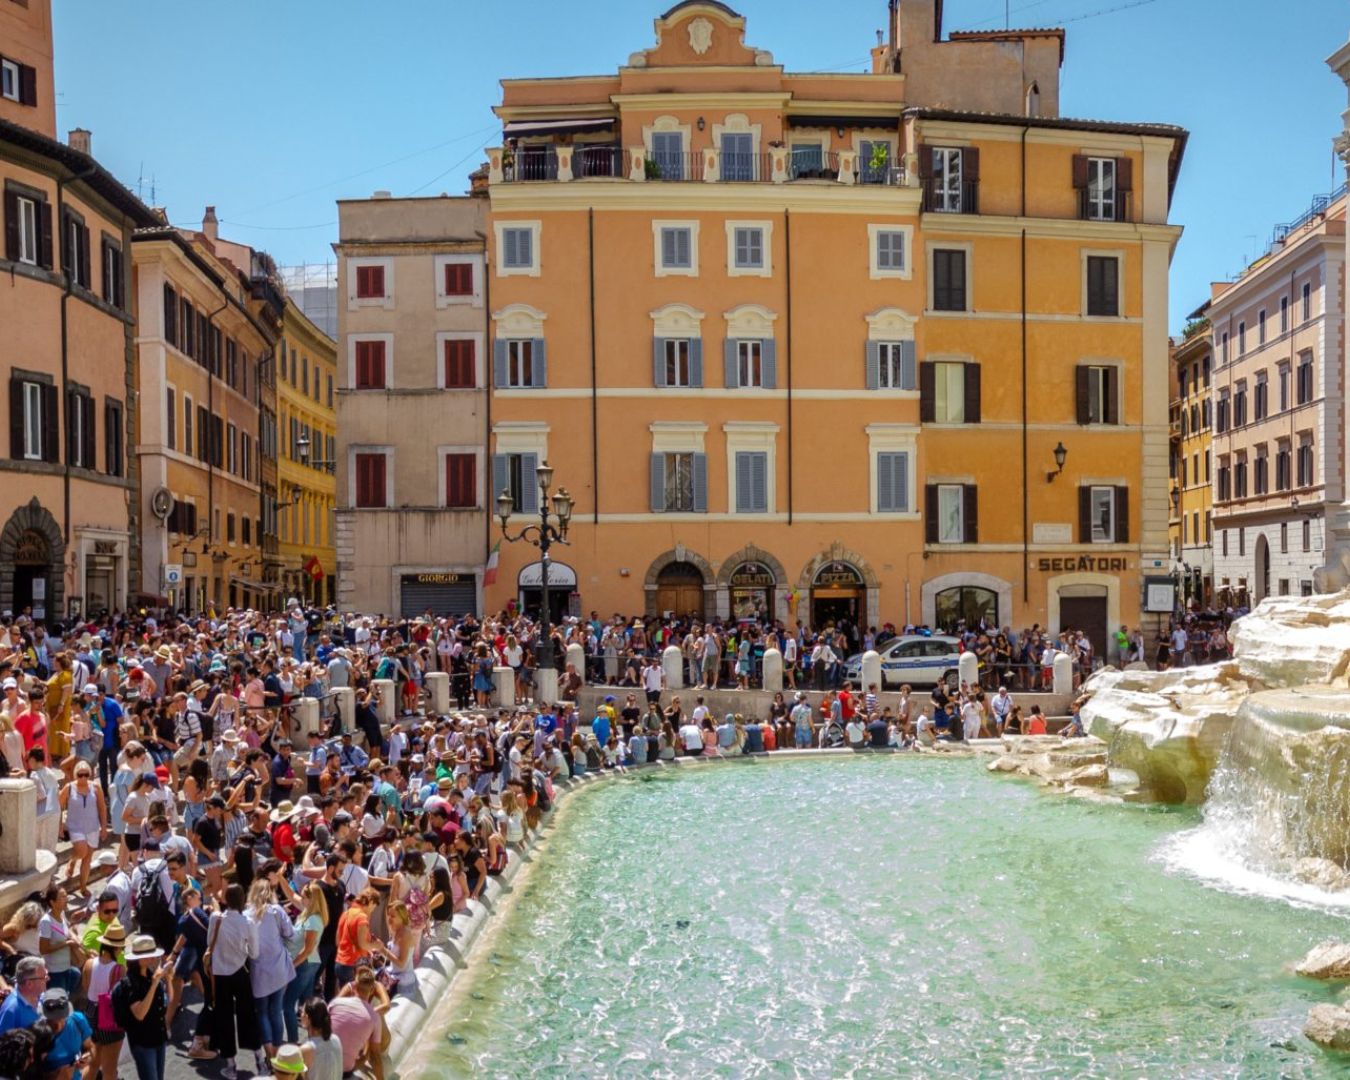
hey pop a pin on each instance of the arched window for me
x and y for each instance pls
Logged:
(969, 604)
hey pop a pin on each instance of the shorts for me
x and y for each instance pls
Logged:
(653, 695)
(694, 753)
(84, 750)
(710, 664)
(86, 838)
(133, 840)
(188, 961)
(802, 738)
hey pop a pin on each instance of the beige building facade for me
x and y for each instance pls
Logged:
(413, 494)
(1279, 399)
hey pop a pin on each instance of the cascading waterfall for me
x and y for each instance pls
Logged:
(1277, 812)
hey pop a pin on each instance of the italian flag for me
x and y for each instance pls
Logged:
(490, 571)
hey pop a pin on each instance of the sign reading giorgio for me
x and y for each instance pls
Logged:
(1102, 564)
(433, 579)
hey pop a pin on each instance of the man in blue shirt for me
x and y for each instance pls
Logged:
(600, 726)
(21, 1008)
(72, 1031)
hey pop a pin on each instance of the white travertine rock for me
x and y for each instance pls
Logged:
(1329, 960)
(1293, 640)
(1322, 872)
(1329, 1026)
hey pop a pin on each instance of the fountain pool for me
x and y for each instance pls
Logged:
(880, 917)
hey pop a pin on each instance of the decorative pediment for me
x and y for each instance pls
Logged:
(700, 32)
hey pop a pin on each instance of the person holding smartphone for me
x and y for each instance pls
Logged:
(140, 1001)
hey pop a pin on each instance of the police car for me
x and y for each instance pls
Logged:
(913, 659)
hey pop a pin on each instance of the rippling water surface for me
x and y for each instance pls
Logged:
(880, 917)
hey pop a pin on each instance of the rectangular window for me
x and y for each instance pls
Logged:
(1305, 462)
(247, 531)
(738, 157)
(460, 364)
(1284, 538)
(1223, 543)
(1261, 473)
(1307, 301)
(750, 363)
(461, 481)
(459, 279)
(1223, 349)
(170, 417)
(113, 438)
(518, 249)
(749, 249)
(370, 368)
(1261, 327)
(232, 448)
(33, 427)
(1099, 396)
(1261, 397)
(677, 491)
(229, 527)
(752, 490)
(1103, 509)
(1103, 285)
(520, 362)
(895, 365)
(890, 249)
(370, 481)
(188, 336)
(677, 362)
(893, 482)
(1101, 189)
(808, 160)
(1284, 314)
(188, 414)
(949, 279)
(1305, 378)
(1283, 457)
(75, 251)
(1242, 339)
(947, 178)
(951, 513)
(79, 429)
(9, 80)
(1307, 536)
(949, 393)
(1240, 479)
(304, 376)
(329, 387)
(1240, 406)
(677, 248)
(1221, 413)
(26, 214)
(1284, 586)
(114, 290)
(1284, 387)
(668, 154)
(369, 282)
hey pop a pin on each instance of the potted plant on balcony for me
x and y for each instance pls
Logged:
(509, 163)
(651, 169)
(879, 161)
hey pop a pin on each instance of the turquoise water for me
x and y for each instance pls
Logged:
(878, 917)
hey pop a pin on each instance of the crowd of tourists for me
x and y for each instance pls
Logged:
(239, 878)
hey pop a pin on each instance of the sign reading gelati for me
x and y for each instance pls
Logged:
(432, 579)
(751, 575)
(1107, 564)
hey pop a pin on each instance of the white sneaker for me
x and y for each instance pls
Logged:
(228, 1071)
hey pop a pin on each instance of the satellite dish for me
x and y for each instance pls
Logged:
(161, 503)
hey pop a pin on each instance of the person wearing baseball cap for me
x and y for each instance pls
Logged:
(71, 1031)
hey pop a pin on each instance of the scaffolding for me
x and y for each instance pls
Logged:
(313, 288)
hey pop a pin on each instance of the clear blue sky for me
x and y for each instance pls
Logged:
(272, 110)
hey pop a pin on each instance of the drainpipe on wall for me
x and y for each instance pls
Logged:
(595, 405)
(487, 406)
(210, 451)
(1026, 505)
(67, 270)
(787, 360)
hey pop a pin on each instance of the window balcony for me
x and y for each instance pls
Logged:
(943, 197)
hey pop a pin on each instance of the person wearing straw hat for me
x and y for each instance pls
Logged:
(286, 1063)
(140, 1002)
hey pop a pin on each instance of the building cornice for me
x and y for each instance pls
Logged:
(700, 100)
(694, 197)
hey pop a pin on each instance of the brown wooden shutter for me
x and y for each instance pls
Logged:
(1081, 391)
(1122, 515)
(1085, 515)
(86, 279)
(972, 393)
(1112, 395)
(1124, 186)
(90, 459)
(70, 428)
(44, 213)
(970, 164)
(16, 429)
(51, 424)
(970, 513)
(109, 435)
(11, 226)
(27, 85)
(925, 158)
(1080, 171)
(377, 479)
(930, 513)
(927, 394)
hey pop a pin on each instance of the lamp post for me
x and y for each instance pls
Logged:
(543, 536)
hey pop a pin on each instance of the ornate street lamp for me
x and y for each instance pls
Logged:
(550, 530)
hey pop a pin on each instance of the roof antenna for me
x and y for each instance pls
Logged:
(1007, 14)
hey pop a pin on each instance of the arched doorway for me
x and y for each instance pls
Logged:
(562, 587)
(838, 592)
(32, 555)
(968, 604)
(679, 591)
(1261, 579)
(751, 587)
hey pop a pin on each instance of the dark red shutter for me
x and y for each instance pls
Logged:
(86, 278)
(27, 85)
(971, 512)
(90, 459)
(1112, 395)
(170, 315)
(369, 281)
(459, 279)
(459, 364)
(930, 513)
(972, 393)
(16, 429)
(370, 365)
(1081, 393)
(51, 425)
(44, 213)
(11, 226)
(1085, 515)
(460, 485)
(1122, 515)
(927, 394)
(925, 157)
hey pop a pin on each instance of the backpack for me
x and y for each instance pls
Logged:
(419, 910)
(152, 910)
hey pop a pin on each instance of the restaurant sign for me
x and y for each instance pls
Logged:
(1106, 564)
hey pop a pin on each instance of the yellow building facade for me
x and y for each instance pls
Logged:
(1192, 471)
(307, 451)
(804, 347)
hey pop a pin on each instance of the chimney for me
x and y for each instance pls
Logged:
(78, 139)
(210, 227)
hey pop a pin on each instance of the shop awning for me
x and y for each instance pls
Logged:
(516, 129)
(809, 120)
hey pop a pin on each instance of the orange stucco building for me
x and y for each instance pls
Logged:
(69, 517)
(803, 346)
